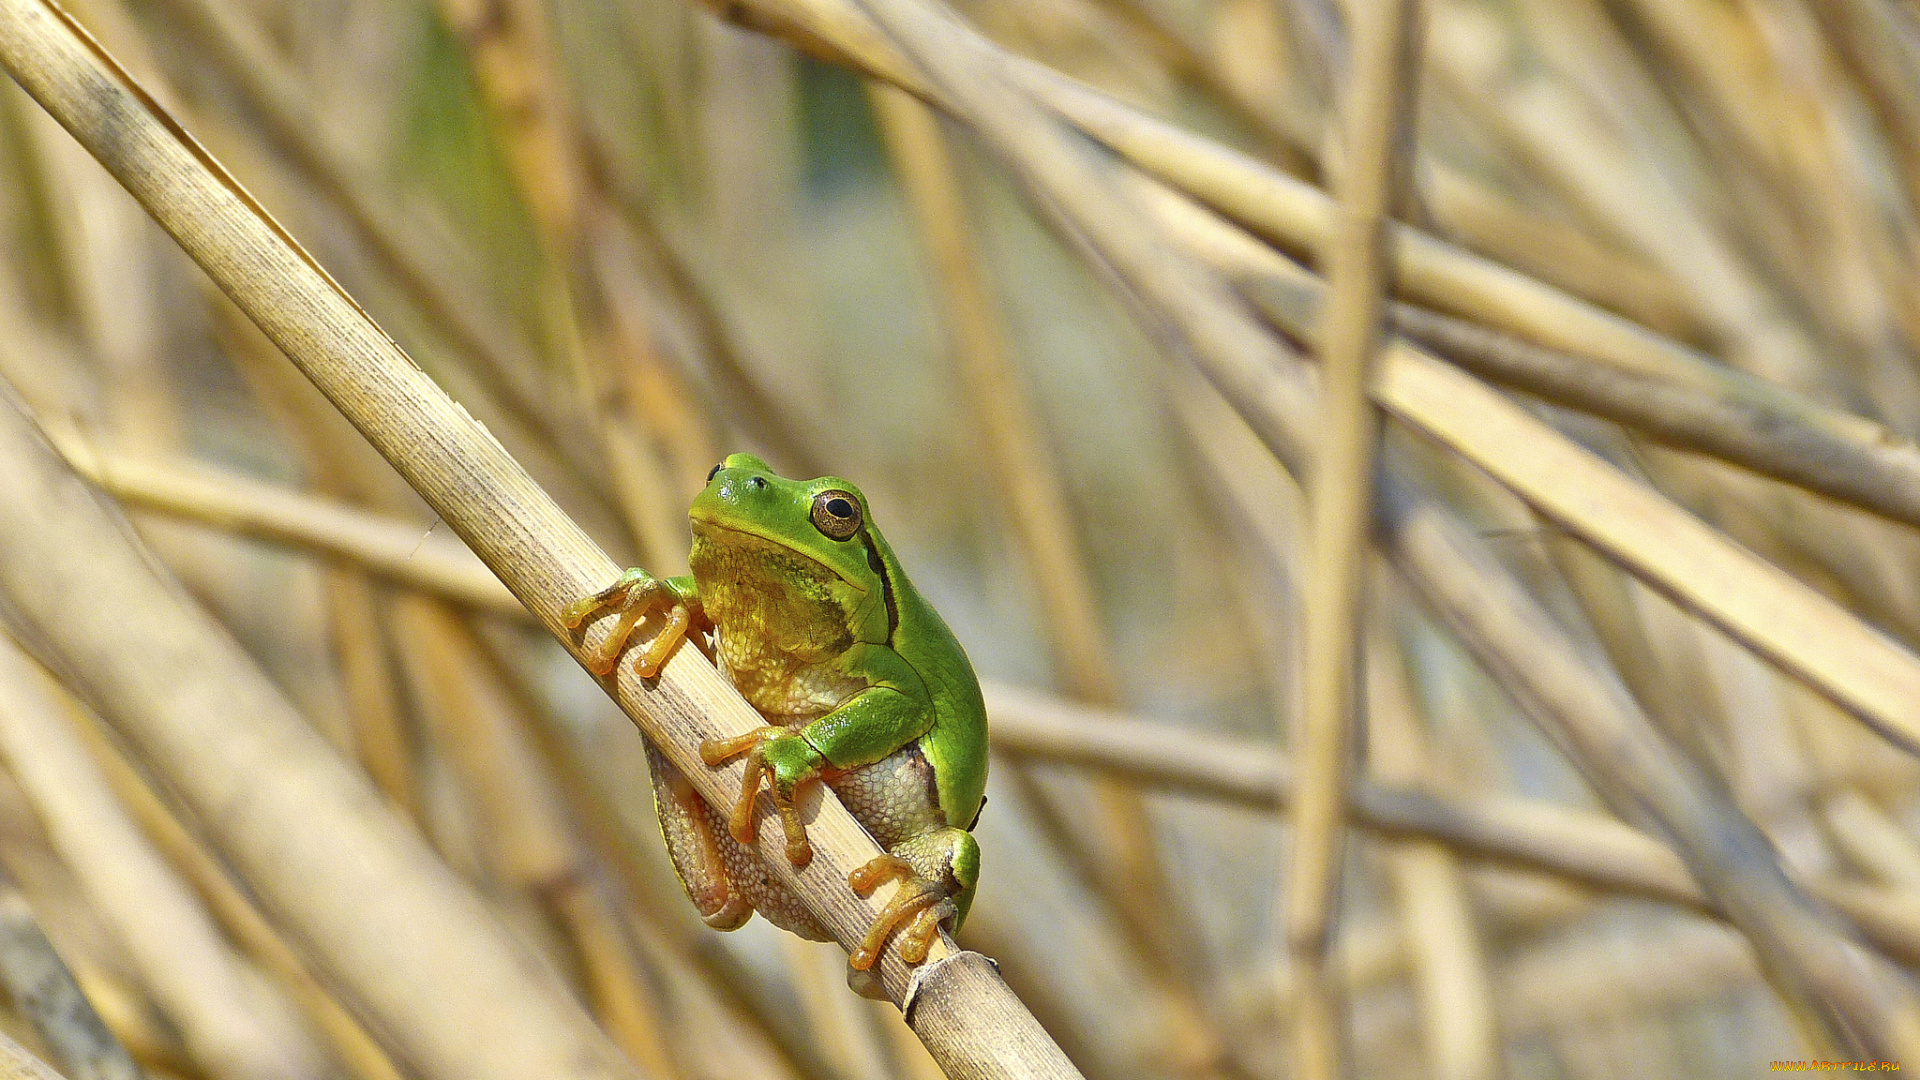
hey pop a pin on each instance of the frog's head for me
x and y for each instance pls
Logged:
(823, 520)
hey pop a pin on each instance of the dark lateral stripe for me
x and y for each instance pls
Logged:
(886, 582)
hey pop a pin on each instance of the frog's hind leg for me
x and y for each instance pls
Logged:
(725, 881)
(687, 825)
(937, 870)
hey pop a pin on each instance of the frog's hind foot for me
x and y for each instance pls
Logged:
(926, 904)
(635, 595)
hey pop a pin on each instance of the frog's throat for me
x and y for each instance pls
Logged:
(702, 523)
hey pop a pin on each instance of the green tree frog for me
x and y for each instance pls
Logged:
(862, 686)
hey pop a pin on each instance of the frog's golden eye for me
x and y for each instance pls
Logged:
(836, 514)
(715, 471)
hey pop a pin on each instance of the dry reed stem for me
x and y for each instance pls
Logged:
(1021, 132)
(652, 435)
(656, 393)
(1869, 39)
(1036, 504)
(1568, 984)
(1221, 768)
(1606, 600)
(235, 911)
(1873, 839)
(909, 1056)
(1587, 720)
(1339, 491)
(1457, 1020)
(44, 991)
(1542, 852)
(970, 1021)
(1485, 220)
(519, 826)
(371, 688)
(231, 1028)
(17, 1064)
(1185, 1035)
(1198, 313)
(134, 1020)
(392, 927)
(1675, 414)
(1577, 846)
(338, 461)
(838, 1022)
(391, 924)
(719, 352)
(1581, 846)
(1790, 624)
(1558, 254)
(1287, 127)
(505, 44)
(404, 554)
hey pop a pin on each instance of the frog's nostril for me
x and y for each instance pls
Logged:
(759, 482)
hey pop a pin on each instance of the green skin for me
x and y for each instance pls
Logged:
(860, 680)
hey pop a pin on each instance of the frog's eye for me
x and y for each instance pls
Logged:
(836, 514)
(715, 471)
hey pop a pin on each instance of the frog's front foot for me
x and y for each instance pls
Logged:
(634, 596)
(787, 760)
(921, 900)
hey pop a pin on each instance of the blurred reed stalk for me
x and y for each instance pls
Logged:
(1377, 101)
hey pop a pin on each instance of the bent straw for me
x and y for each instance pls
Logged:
(956, 1002)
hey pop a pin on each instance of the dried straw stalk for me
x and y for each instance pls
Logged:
(1339, 491)
(955, 1002)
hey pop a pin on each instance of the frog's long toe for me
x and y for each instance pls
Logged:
(920, 900)
(740, 822)
(657, 650)
(633, 596)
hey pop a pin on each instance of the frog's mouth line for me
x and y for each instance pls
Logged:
(708, 525)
